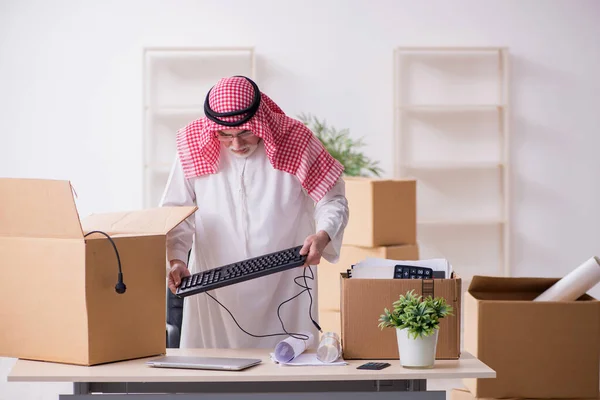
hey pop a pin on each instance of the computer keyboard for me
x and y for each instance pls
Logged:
(241, 271)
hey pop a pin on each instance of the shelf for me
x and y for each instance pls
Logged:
(452, 165)
(452, 108)
(465, 222)
(176, 111)
(160, 168)
(182, 77)
(194, 52)
(450, 49)
(451, 118)
(176, 81)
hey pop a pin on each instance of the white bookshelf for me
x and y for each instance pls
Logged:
(176, 81)
(451, 133)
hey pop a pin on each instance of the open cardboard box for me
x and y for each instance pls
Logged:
(57, 288)
(538, 349)
(329, 274)
(463, 394)
(363, 301)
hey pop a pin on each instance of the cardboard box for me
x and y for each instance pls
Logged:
(383, 212)
(463, 394)
(57, 288)
(538, 349)
(363, 301)
(329, 274)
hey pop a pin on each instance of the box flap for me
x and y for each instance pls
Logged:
(490, 284)
(38, 208)
(153, 220)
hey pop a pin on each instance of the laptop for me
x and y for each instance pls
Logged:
(216, 363)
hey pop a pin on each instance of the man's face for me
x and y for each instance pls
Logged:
(240, 143)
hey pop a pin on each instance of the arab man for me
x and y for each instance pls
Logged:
(262, 183)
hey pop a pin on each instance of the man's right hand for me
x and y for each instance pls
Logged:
(178, 271)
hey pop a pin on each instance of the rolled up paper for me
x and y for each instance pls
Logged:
(575, 284)
(290, 348)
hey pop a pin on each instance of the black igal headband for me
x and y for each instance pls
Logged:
(250, 111)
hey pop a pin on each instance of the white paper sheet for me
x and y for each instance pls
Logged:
(309, 359)
(382, 268)
(374, 272)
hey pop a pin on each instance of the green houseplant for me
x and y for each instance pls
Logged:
(416, 320)
(342, 147)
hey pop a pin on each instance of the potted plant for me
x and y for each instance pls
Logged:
(417, 322)
(342, 147)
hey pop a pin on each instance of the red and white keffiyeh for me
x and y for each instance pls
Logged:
(290, 146)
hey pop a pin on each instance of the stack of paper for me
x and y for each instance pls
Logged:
(309, 359)
(381, 268)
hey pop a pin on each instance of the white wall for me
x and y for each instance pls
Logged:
(71, 91)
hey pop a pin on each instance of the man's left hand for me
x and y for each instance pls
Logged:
(314, 246)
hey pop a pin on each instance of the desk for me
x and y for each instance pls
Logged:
(133, 380)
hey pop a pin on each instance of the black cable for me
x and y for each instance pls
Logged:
(300, 336)
(312, 277)
(311, 299)
(120, 286)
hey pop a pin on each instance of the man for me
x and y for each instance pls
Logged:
(262, 183)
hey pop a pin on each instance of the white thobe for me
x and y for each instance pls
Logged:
(245, 210)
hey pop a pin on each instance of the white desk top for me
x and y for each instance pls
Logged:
(137, 371)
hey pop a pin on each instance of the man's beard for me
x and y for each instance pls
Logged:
(251, 148)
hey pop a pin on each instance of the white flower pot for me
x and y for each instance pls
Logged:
(416, 353)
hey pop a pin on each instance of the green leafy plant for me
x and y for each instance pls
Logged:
(420, 316)
(342, 147)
